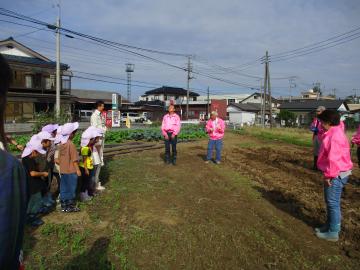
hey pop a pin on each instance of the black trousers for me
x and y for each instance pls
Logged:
(173, 143)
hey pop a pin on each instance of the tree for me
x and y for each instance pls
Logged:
(288, 117)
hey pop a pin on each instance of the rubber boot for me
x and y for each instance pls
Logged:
(331, 235)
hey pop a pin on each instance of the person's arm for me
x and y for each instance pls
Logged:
(12, 141)
(221, 126)
(39, 174)
(163, 125)
(209, 127)
(177, 126)
(332, 148)
(13, 202)
(74, 158)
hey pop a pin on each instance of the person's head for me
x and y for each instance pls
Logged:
(45, 137)
(33, 148)
(68, 131)
(320, 109)
(5, 79)
(329, 118)
(51, 128)
(213, 115)
(171, 109)
(100, 105)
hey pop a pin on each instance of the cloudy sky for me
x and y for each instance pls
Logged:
(231, 33)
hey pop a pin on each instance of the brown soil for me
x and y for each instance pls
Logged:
(254, 211)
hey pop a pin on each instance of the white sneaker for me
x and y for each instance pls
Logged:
(84, 197)
(100, 187)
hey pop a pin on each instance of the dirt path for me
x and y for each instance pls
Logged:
(254, 211)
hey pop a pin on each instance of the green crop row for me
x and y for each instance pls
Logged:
(188, 132)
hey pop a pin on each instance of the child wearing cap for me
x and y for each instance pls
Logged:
(88, 140)
(32, 150)
(69, 167)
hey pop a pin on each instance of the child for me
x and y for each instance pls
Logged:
(88, 139)
(46, 139)
(50, 154)
(335, 162)
(32, 150)
(356, 140)
(69, 167)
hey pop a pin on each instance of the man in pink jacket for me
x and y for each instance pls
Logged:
(335, 163)
(170, 128)
(215, 127)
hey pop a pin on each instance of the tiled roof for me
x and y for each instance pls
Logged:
(310, 105)
(171, 91)
(32, 61)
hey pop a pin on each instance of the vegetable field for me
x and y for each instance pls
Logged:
(254, 211)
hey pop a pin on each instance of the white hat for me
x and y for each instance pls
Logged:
(58, 135)
(90, 133)
(44, 135)
(66, 131)
(50, 128)
(33, 145)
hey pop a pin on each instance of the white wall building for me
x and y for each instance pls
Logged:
(231, 98)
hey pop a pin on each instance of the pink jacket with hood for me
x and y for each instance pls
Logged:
(215, 128)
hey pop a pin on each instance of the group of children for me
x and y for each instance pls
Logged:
(51, 158)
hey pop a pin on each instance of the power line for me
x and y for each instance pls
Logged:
(23, 17)
(316, 43)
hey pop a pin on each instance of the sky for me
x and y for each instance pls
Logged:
(227, 33)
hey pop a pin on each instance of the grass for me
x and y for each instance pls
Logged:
(300, 137)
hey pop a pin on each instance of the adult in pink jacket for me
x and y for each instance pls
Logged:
(335, 162)
(215, 127)
(170, 128)
(318, 131)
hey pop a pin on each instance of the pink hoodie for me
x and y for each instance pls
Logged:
(316, 123)
(356, 137)
(334, 155)
(218, 127)
(171, 123)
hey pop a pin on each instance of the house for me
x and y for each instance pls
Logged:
(166, 93)
(310, 94)
(84, 101)
(245, 113)
(257, 98)
(33, 88)
(305, 110)
(230, 98)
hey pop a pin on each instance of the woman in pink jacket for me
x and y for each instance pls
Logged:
(356, 140)
(215, 127)
(170, 128)
(335, 162)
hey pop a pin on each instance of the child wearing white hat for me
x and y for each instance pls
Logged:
(69, 167)
(33, 149)
(88, 140)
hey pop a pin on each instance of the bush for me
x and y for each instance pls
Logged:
(44, 118)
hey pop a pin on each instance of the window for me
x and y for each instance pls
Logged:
(28, 81)
(65, 84)
(48, 83)
(256, 97)
(231, 100)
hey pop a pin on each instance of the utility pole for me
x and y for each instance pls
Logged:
(208, 102)
(189, 69)
(292, 84)
(265, 61)
(269, 91)
(58, 76)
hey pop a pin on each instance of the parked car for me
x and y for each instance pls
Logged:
(134, 117)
